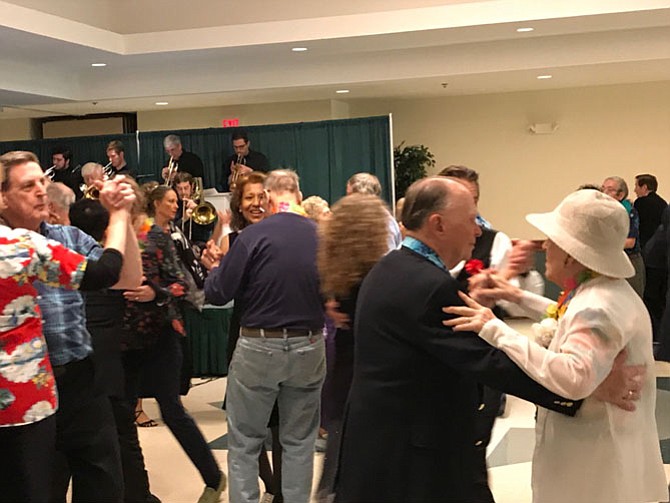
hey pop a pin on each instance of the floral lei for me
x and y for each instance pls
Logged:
(544, 331)
(285, 207)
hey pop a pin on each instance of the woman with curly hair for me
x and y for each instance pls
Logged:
(352, 240)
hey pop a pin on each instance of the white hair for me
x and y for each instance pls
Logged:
(171, 140)
(90, 168)
(282, 181)
(365, 183)
(60, 195)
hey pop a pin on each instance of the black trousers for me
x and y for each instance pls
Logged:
(655, 291)
(156, 371)
(135, 477)
(87, 447)
(26, 459)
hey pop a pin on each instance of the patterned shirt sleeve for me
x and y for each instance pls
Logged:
(53, 264)
(171, 274)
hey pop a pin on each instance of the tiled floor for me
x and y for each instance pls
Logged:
(175, 480)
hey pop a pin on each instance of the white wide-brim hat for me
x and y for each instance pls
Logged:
(591, 227)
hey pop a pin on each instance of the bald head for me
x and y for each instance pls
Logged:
(428, 196)
(441, 213)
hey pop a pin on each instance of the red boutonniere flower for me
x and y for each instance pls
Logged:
(474, 266)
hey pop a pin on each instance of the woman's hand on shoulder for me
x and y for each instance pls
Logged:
(469, 318)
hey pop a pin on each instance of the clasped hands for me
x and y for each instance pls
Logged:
(211, 255)
(116, 194)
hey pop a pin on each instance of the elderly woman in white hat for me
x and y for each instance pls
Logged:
(603, 454)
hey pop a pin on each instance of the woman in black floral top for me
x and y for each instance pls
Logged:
(153, 326)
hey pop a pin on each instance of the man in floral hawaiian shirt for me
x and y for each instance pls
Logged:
(87, 445)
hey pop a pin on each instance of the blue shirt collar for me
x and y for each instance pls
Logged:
(424, 250)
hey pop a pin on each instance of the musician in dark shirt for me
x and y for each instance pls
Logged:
(116, 153)
(243, 161)
(61, 158)
(185, 162)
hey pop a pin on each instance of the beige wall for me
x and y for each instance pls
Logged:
(266, 113)
(14, 129)
(622, 130)
(84, 127)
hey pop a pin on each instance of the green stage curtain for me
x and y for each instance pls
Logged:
(325, 154)
(84, 148)
(208, 332)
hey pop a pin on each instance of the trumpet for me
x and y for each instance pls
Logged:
(91, 192)
(50, 173)
(108, 170)
(235, 172)
(172, 170)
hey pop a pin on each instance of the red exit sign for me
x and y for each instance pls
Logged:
(230, 122)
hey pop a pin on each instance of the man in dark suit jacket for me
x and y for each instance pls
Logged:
(649, 206)
(409, 431)
(657, 255)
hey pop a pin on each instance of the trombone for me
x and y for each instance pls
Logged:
(172, 170)
(204, 213)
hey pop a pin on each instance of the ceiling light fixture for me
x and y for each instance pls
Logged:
(342, 91)
(544, 77)
(525, 29)
(299, 49)
(98, 64)
(162, 103)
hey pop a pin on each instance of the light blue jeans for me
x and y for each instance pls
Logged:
(291, 371)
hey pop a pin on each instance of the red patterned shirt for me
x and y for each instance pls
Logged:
(27, 385)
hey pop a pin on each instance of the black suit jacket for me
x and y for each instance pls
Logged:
(409, 432)
(658, 254)
(649, 208)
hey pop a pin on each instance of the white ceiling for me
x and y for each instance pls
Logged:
(220, 52)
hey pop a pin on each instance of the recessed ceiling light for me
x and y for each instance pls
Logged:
(544, 77)
(98, 64)
(162, 103)
(342, 91)
(525, 29)
(299, 49)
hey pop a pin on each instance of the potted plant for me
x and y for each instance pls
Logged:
(410, 163)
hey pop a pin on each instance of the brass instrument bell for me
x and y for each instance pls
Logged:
(205, 212)
(92, 192)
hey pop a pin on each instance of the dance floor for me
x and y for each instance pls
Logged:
(175, 480)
